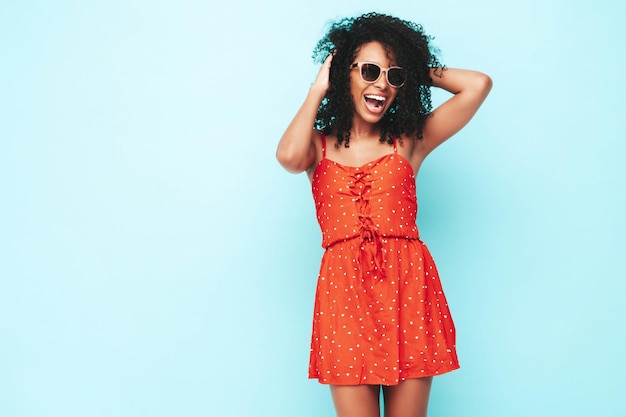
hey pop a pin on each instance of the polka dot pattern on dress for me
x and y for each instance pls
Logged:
(380, 313)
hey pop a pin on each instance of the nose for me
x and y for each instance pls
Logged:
(381, 82)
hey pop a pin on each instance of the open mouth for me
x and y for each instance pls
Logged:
(375, 103)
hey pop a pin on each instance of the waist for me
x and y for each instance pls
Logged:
(369, 235)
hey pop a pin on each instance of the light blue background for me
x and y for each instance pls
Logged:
(155, 260)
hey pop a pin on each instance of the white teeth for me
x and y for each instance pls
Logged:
(374, 97)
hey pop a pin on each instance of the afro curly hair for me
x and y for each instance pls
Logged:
(412, 50)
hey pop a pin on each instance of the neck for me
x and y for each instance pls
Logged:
(364, 131)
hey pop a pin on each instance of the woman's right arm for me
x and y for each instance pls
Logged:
(296, 149)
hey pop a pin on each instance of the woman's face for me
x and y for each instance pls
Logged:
(372, 99)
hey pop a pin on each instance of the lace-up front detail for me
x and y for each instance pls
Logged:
(360, 187)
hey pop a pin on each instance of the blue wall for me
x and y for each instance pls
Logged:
(156, 261)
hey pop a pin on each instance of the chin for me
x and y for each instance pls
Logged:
(371, 118)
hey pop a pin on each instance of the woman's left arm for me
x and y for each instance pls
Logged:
(470, 88)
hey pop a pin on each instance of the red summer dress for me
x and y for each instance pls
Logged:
(380, 313)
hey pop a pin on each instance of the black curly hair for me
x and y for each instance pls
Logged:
(412, 50)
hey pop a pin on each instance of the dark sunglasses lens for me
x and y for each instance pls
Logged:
(370, 72)
(396, 76)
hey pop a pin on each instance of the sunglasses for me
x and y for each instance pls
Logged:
(371, 72)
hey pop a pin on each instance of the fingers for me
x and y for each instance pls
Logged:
(329, 58)
(323, 77)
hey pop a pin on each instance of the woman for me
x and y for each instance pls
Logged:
(381, 318)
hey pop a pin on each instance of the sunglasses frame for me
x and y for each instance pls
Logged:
(385, 70)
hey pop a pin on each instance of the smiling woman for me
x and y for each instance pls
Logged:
(381, 317)
(405, 45)
(372, 96)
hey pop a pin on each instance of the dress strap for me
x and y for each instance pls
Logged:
(323, 146)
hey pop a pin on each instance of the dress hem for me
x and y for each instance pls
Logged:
(378, 381)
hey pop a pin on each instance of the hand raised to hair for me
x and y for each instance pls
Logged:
(323, 76)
